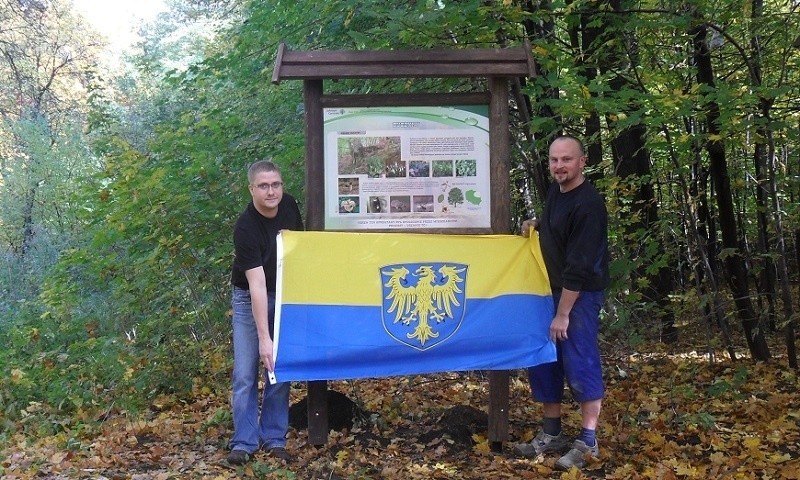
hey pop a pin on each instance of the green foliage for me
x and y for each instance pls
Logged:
(722, 387)
(265, 470)
(140, 299)
(704, 420)
(140, 226)
(86, 372)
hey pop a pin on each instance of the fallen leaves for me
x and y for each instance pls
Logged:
(666, 418)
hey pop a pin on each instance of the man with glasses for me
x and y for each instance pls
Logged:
(254, 278)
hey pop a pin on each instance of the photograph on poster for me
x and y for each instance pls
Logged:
(442, 168)
(419, 168)
(423, 203)
(375, 157)
(348, 185)
(377, 204)
(400, 203)
(348, 205)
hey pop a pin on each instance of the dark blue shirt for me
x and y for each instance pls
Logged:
(573, 232)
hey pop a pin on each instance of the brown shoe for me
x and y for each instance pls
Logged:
(281, 453)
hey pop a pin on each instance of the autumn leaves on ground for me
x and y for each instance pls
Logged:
(666, 416)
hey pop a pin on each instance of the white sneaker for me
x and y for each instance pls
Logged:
(577, 455)
(543, 443)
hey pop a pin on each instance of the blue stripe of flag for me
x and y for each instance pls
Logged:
(334, 342)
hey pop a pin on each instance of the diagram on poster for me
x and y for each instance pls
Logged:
(407, 167)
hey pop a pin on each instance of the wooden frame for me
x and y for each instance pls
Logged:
(498, 197)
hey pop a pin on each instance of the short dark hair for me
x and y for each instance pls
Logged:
(573, 138)
(261, 166)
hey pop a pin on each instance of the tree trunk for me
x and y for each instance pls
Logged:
(766, 278)
(702, 245)
(766, 174)
(734, 263)
(583, 38)
(631, 157)
(27, 223)
(545, 30)
(628, 146)
(791, 349)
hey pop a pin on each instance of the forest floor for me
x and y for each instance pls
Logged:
(668, 414)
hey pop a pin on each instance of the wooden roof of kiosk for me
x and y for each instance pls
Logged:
(495, 64)
(432, 63)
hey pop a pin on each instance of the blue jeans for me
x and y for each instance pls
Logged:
(578, 357)
(254, 427)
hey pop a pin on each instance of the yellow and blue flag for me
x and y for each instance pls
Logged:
(365, 305)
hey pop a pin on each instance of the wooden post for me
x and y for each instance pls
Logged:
(317, 412)
(499, 155)
(315, 151)
(499, 159)
(315, 190)
(498, 409)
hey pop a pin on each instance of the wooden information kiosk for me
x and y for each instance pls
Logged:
(496, 65)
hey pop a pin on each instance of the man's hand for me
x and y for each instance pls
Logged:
(265, 352)
(558, 327)
(527, 225)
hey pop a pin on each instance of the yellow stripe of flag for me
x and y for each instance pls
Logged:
(343, 267)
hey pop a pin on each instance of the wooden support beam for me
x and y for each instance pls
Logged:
(315, 151)
(312, 93)
(317, 412)
(499, 165)
(498, 409)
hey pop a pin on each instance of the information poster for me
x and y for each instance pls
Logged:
(407, 167)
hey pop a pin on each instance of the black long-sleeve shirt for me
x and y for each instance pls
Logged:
(573, 232)
(254, 240)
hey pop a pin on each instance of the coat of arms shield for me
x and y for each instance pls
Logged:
(423, 303)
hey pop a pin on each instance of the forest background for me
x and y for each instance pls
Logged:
(120, 182)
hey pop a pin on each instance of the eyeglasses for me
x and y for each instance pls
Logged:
(266, 186)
